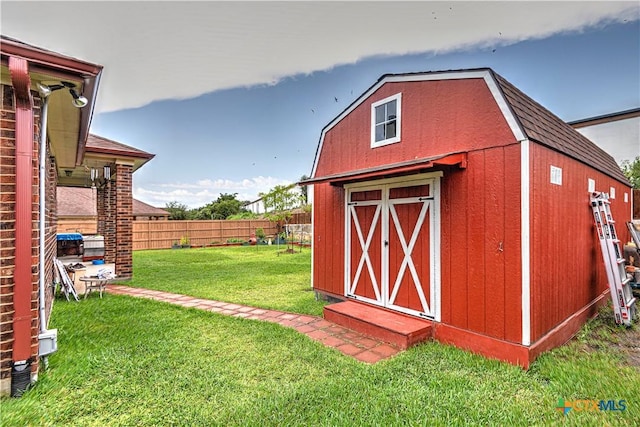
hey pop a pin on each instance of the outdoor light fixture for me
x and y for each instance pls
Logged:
(44, 90)
(78, 100)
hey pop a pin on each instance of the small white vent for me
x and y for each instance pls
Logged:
(556, 175)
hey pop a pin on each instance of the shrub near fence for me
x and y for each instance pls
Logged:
(162, 234)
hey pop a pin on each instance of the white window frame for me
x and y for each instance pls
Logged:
(398, 98)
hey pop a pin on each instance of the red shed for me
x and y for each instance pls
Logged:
(455, 198)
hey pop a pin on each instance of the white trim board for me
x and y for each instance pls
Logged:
(525, 238)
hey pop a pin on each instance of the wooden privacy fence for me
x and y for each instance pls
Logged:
(78, 225)
(163, 234)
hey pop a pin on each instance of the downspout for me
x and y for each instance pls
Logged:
(22, 317)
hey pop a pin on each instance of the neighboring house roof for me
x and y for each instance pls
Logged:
(605, 118)
(617, 133)
(76, 201)
(81, 202)
(527, 118)
(143, 209)
(99, 144)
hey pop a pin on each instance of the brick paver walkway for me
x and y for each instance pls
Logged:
(349, 342)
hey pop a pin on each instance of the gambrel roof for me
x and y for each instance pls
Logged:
(527, 119)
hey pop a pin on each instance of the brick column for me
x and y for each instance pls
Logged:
(124, 218)
(106, 202)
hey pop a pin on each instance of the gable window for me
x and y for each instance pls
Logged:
(385, 121)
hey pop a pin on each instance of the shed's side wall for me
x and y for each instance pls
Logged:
(567, 270)
(481, 244)
(438, 117)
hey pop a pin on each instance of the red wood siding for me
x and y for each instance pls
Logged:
(567, 271)
(481, 247)
(328, 239)
(438, 117)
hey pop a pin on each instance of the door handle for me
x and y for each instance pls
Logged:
(386, 243)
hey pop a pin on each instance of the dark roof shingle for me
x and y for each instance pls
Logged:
(542, 126)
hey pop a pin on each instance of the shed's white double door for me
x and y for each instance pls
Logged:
(392, 230)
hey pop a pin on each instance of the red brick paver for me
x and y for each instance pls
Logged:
(351, 343)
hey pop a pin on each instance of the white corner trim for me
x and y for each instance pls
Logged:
(525, 237)
(313, 239)
(437, 248)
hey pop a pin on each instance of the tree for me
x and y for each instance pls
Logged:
(279, 202)
(304, 190)
(221, 208)
(632, 171)
(177, 211)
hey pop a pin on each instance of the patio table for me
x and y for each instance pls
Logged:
(96, 283)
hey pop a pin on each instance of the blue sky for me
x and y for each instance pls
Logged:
(247, 136)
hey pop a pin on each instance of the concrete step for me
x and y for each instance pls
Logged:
(398, 329)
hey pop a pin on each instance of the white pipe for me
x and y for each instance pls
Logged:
(42, 188)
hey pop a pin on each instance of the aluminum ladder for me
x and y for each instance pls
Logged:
(624, 303)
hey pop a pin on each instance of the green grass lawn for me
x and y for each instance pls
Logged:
(251, 275)
(138, 362)
(127, 361)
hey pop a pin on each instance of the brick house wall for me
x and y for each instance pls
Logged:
(8, 233)
(51, 229)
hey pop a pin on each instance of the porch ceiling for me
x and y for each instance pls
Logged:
(63, 118)
(80, 176)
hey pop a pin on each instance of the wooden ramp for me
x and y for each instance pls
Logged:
(401, 330)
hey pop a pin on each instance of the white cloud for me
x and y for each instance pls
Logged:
(204, 191)
(162, 50)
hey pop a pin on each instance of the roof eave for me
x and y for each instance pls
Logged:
(45, 61)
